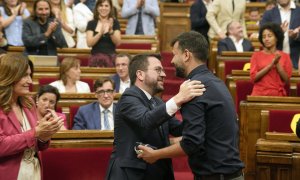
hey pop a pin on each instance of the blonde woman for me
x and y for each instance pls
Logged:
(69, 77)
(21, 136)
(64, 15)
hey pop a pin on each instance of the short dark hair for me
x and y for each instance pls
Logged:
(49, 89)
(193, 42)
(139, 62)
(276, 29)
(123, 55)
(100, 82)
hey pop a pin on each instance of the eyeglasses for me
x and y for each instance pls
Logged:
(102, 92)
(159, 70)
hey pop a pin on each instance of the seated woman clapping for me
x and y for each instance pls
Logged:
(46, 101)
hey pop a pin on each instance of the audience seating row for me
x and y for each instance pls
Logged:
(277, 152)
(252, 128)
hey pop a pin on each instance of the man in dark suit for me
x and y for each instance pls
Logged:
(235, 39)
(99, 114)
(121, 78)
(210, 134)
(286, 14)
(143, 117)
(198, 17)
(42, 34)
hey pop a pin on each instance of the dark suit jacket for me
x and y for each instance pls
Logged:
(197, 16)
(228, 45)
(116, 79)
(136, 121)
(273, 15)
(89, 117)
(33, 38)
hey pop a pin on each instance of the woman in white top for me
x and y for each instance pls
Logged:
(13, 12)
(64, 15)
(69, 77)
(83, 15)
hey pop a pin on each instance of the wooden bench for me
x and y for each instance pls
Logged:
(86, 72)
(245, 75)
(251, 126)
(230, 56)
(277, 157)
(213, 53)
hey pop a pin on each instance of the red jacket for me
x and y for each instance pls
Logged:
(13, 142)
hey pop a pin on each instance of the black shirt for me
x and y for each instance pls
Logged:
(210, 134)
(105, 44)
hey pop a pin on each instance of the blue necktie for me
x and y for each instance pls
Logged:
(160, 128)
(106, 122)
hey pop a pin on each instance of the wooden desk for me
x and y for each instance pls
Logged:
(82, 139)
(251, 126)
(278, 157)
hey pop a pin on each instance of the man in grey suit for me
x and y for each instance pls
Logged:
(143, 117)
(42, 34)
(99, 114)
(235, 40)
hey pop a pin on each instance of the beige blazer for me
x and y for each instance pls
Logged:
(220, 13)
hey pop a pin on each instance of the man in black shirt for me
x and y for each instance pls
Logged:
(42, 34)
(210, 134)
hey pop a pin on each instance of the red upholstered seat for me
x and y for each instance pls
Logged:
(166, 59)
(90, 82)
(280, 120)
(46, 80)
(298, 89)
(144, 46)
(75, 163)
(181, 168)
(233, 65)
(243, 88)
(73, 111)
(171, 87)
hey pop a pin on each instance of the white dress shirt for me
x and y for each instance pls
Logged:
(109, 115)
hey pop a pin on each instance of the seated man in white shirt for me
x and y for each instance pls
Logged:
(235, 39)
(99, 114)
(121, 78)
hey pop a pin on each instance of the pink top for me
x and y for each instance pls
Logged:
(271, 84)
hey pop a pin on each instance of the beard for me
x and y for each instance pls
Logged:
(180, 72)
(155, 87)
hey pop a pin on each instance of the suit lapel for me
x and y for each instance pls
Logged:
(277, 16)
(231, 44)
(293, 12)
(14, 120)
(97, 115)
(30, 117)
